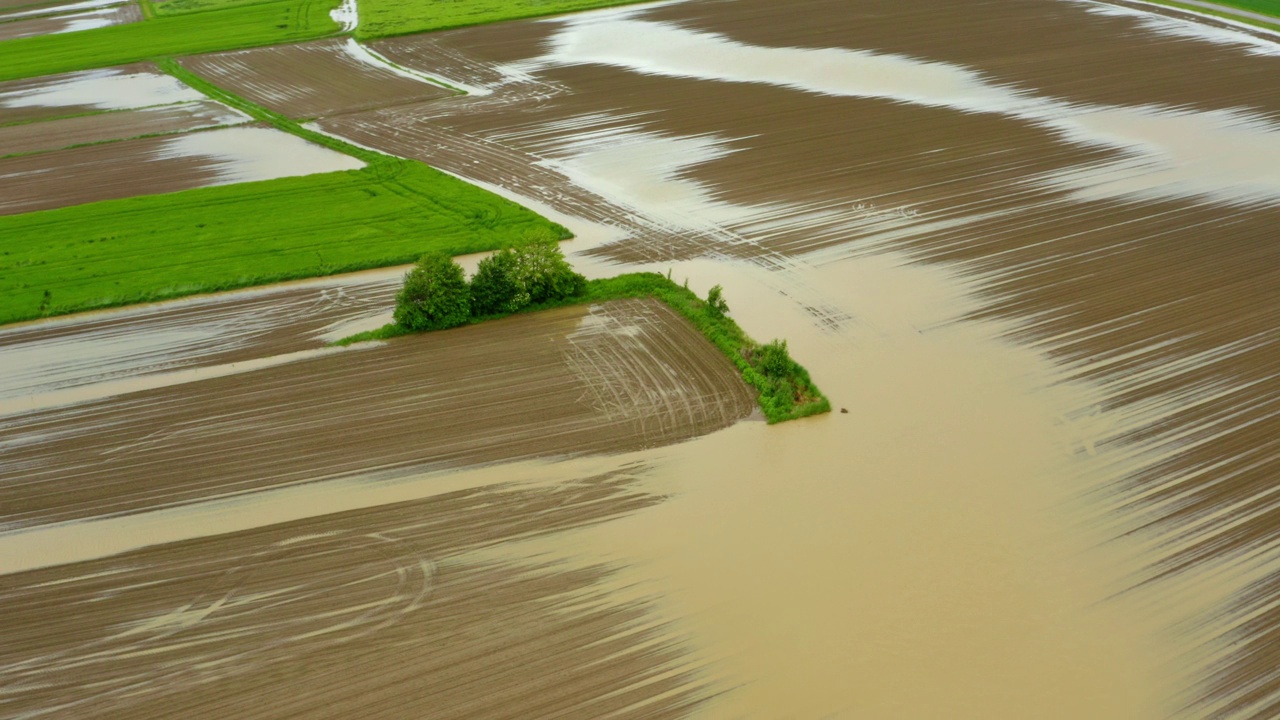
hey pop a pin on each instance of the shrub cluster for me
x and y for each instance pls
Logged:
(436, 294)
(784, 385)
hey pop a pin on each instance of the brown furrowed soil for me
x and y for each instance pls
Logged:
(387, 612)
(72, 22)
(311, 79)
(162, 120)
(621, 376)
(158, 165)
(1029, 246)
(118, 88)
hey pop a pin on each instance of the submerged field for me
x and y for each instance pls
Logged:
(1026, 247)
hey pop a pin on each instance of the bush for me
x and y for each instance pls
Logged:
(541, 273)
(530, 274)
(716, 304)
(435, 295)
(493, 289)
(773, 359)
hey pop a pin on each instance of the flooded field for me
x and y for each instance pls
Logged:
(620, 376)
(313, 79)
(70, 22)
(1028, 246)
(157, 165)
(77, 93)
(89, 129)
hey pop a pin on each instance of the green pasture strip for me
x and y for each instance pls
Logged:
(165, 8)
(232, 28)
(1266, 8)
(155, 247)
(387, 18)
(790, 398)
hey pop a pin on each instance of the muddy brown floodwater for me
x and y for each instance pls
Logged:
(1029, 246)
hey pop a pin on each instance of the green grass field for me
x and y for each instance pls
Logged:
(223, 28)
(385, 18)
(162, 246)
(1265, 7)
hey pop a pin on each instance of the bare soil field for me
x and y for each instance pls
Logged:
(122, 125)
(326, 77)
(621, 376)
(118, 88)
(158, 165)
(71, 22)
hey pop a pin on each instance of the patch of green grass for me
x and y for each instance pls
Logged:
(385, 18)
(1266, 7)
(266, 23)
(162, 246)
(166, 8)
(787, 396)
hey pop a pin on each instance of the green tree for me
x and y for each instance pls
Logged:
(510, 280)
(773, 359)
(493, 288)
(540, 273)
(716, 304)
(435, 295)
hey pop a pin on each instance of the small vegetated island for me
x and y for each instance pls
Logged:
(534, 275)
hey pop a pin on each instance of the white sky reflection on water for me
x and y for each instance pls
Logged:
(1223, 154)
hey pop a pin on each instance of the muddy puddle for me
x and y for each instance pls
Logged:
(1043, 288)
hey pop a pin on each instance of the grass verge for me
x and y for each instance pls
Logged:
(1270, 7)
(156, 247)
(219, 28)
(387, 18)
(787, 397)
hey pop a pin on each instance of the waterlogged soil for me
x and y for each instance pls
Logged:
(118, 88)
(71, 22)
(1028, 246)
(307, 80)
(89, 129)
(621, 376)
(1103, 181)
(394, 596)
(147, 166)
